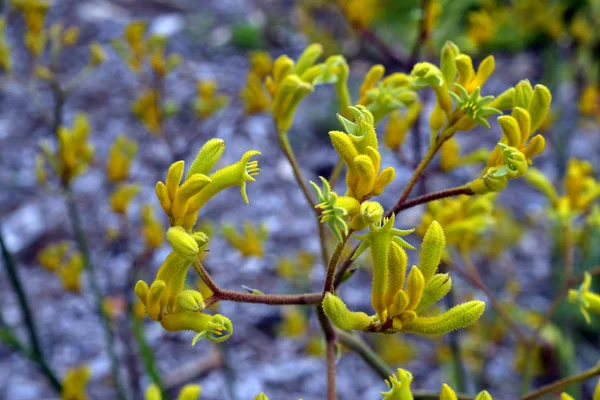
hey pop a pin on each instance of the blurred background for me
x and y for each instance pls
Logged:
(280, 350)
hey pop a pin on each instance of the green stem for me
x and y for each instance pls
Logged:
(109, 336)
(36, 349)
(146, 353)
(563, 383)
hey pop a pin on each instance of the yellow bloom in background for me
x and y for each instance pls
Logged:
(261, 63)
(65, 262)
(589, 101)
(250, 242)
(394, 349)
(122, 197)
(399, 124)
(74, 153)
(120, 156)
(450, 157)
(297, 269)
(254, 95)
(295, 322)
(34, 13)
(74, 383)
(482, 27)
(586, 299)
(152, 229)
(53, 255)
(147, 108)
(464, 218)
(5, 53)
(70, 273)
(359, 13)
(208, 102)
(187, 392)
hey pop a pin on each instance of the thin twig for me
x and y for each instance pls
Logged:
(563, 383)
(241, 297)
(357, 345)
(36, 349)
(109, 336)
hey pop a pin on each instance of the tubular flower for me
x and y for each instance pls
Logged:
(74, 383)
(74, 150)
(208, 102)
(120, 156)
(456, 78)
(465, 218)
(66, 263)
(359, 13)
(122, 196)
(152, 229)
(383, 96)
(399, 388)
(250, 242)
(335, 210)
(397, 299)
(358, 148)
(513, 154)
(187, 392)
(181, 202)
(295, 322)
(290, 82)
(585, 299)
(166, 300)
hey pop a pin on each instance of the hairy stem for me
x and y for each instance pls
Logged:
(241, 297)
(36, 350)
(109, 336)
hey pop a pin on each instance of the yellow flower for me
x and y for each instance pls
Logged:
(34, 13)
(295, 322)
(122, 196)
(297, 269)
(207, 101)
(254, 95)
(120, 156)
(398, 300)
(74, 153)
(52, 257)
(359, 13)
(148, 110)
(181, 202)
(587, 300)
(5, 53)
(152, 229)
(187, 392)
(589, 101)
(482, 27)
(399, 124)
(70, 273)
(250, 242)
(74, 383)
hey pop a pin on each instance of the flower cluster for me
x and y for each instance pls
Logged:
(398, 300)
(66, 262)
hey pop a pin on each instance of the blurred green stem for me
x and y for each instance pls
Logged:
(36, 351)
(109, 336)
(563, 383)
